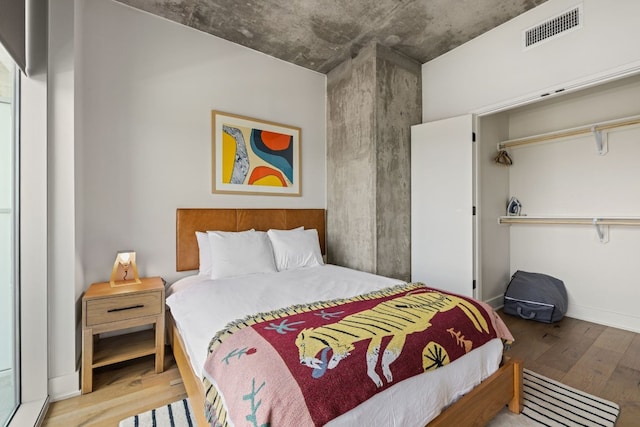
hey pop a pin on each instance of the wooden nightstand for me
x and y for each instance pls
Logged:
(107, 309)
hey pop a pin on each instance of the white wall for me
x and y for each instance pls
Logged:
(492, 187)
(494, 70)
(148, 88)
(569, 178)
(130, 132)
(62, 176)
(495, 73)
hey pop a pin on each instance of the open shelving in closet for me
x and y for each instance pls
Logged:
(600, 135)
(576, 172)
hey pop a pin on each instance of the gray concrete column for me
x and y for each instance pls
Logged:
(372, 101)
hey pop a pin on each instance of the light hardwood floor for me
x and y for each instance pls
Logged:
(597, 359)
(120, 391)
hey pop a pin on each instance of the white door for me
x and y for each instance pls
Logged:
(442, 221)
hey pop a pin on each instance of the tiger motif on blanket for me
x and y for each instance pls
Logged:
(396, 318)
(294, 366)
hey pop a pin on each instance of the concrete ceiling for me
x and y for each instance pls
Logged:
(320, 34)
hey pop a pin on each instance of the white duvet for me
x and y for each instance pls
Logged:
(201, 307)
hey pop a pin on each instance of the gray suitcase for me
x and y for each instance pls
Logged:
(536, 296)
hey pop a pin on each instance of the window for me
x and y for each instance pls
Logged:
(8, 242)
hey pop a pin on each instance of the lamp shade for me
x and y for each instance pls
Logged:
(125, 270)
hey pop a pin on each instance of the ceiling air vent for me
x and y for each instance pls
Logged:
(554, 27)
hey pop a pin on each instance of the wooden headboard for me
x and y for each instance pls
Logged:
(188, 221)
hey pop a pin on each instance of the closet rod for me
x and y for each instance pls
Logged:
(572, 221)
(598, 127)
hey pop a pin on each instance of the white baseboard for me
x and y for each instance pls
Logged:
(65, 386)
(614, 319)
(496, 302)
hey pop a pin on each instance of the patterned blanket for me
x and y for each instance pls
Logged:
(291, 367)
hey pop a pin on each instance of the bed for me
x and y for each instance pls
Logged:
(500, 385)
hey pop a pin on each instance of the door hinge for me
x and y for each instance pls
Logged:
(473, 137)
(474, 284)
(474, 210)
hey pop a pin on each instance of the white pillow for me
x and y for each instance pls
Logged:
(240, 253)
(294, 249)
(204, 252)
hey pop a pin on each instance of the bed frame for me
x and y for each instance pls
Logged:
(476, 408)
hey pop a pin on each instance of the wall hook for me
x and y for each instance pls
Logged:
(602, 231)
(602, 143)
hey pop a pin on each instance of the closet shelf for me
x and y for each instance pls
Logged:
(595, 220)
(596, 129)
(601, 224)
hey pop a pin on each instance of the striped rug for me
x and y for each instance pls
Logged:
(550, 403)
(546, 403)
(176, 414)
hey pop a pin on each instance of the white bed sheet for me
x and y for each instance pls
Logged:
(201, 307)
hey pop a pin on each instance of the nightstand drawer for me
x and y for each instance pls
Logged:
(107, 310)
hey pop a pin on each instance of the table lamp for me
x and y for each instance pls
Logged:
(124, 265)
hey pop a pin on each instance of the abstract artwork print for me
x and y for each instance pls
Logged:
(254, 157)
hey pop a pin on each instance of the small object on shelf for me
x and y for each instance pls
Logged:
(514, 207)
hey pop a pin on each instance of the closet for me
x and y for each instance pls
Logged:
(576, 173)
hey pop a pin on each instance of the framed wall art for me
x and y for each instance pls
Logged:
(252, 156)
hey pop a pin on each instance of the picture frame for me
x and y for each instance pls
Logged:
(253, 156)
